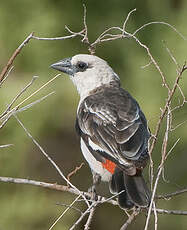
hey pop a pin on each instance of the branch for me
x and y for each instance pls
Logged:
(130, 219)
(24, 43)
(66, 210)
(6, 75)
(12, 58)
(164, 111)
(171, 212)
(74, 171)
(74, 34)
(18, 95)
(161, 166)
(101, 199)
(5, 146)
(176, 193)
(162, 23)
(88, 210)
(50, 159)
(8, 113)
(56, 187)
(90, 217)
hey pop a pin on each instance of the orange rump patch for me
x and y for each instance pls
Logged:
(109, 165)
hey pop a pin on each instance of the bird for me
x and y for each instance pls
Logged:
(113, 129)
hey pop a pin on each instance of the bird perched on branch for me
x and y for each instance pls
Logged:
(113, 129)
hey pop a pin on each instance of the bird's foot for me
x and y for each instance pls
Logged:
(93, 194)
(92, 189)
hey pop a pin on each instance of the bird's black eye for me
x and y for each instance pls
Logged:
(82, 66)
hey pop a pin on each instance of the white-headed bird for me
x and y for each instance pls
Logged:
(113, 129)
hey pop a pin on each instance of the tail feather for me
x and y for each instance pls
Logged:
(117, 186)
(132, 190)
(137, 189)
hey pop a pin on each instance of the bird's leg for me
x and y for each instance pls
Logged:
(96, 181)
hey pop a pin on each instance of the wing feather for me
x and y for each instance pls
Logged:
(113, 121)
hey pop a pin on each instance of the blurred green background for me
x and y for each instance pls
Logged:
(51, 122)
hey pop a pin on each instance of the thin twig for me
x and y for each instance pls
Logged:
(164, 111)
(56, 187)
(12, 58)
(162, 23)
(65, 211)
(156, 216)
(74, 171)
(130, 219)
(83, 215)
(152, 198)
(60, 38)
(164, 153)
(176, 193)
(18, 95)
(171, 55)
(145, 66)
(67, 205)
(127, 19)
(33, 103)
(64, 188)
(5, 120)
(6, 75)
(27, 98)
(171, 212)
(90, 218)
(5, 146)
(85, 38)
(49, 159)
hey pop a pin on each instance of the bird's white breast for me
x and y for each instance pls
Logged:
(95, 165)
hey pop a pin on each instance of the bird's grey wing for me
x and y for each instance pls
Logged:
(113, 121)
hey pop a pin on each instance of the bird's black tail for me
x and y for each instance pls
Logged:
(132, 190)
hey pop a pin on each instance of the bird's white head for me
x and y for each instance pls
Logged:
(87, 72)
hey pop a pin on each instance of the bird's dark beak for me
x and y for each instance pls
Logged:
(64, 66)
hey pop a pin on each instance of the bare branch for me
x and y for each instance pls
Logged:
(5, 120)
(6, 75)
(164, 111)
(5, 146)
(130, 219)
(171, 55)
(33, 103)
(176, 193)
(171, 212)
(126, 20)
(85, 38)
(67, 205)
(74, 171)
(56, 187)
(163, 23)
(66, 210)
(74, 34)
(156, 216)
(152, 198)
(145, 66)
(83, 215)
(12, 58)
(10, 112)
(161, 166)
(49, 158)
(152, 60)
(90, 217)
(18, 95)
